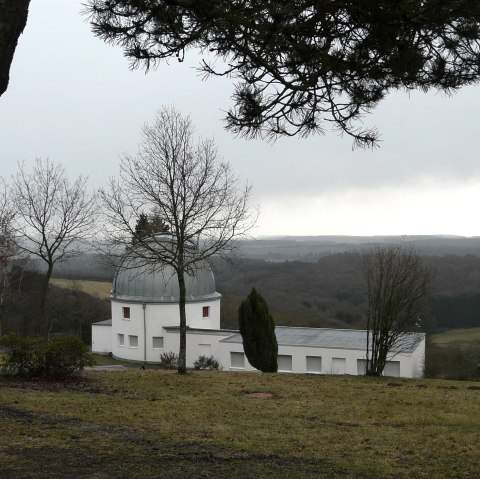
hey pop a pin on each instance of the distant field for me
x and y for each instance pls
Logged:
(99, 289)
(457, 336)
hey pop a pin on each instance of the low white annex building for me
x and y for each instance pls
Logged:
(145, 319)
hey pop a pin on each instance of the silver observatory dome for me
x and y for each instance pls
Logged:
(137, 282)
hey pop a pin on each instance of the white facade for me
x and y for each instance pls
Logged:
(137, 330)
(102, 337)
(224, 346)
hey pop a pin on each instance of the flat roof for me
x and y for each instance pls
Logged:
(329, 338)
(107, 322)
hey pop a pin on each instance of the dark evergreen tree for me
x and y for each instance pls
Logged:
(301, 66)
(148, 226)
(258, 333)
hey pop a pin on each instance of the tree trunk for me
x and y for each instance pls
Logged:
(13, 18)
(43, 300)
(368, 355)
(182, 352)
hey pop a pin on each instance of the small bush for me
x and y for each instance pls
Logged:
(58, 358)
(21, 356)
(207, 363)
(169, 360)
(65, 356)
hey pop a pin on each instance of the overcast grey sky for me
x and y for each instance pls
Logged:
(74, 99)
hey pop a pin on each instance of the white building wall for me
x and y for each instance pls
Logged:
(101, 339)
(147, 321)
(333, 361)
(132, 339)
(197, 344)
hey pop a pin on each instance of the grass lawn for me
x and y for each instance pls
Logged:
(157, 424)
(457, 337)
(99, 289)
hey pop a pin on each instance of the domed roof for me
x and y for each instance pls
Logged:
(159, 284)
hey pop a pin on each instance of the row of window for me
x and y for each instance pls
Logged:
(157, 341)
(126, 312)
(314, 364)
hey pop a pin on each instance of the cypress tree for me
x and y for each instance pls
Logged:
(258, 333)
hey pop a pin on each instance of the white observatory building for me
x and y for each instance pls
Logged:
(145, 324)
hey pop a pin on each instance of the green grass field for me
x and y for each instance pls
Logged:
(157, 424)
(458, 337)
(99, 289)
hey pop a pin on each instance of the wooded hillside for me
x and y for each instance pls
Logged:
(331, 292)
(325, 288)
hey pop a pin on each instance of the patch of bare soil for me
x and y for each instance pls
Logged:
(259, 395)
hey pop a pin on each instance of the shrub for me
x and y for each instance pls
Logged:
(65, 356)
(58, 358)
(207, 363)
(169, 360)
(21, 356)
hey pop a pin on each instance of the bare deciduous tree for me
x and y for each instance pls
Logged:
(8, 248)
(53, 216)
(193, 192)
(397, 283)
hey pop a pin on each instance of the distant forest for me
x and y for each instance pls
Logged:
(331, 292)
(326, 289)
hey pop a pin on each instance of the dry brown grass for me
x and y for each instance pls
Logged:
(155, 424)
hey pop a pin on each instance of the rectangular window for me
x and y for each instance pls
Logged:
(237, 360)
(392, 368)
(361, 366)
(126, 312)
(121, 340)
(314, 364)
(284, 362)
(206, 311)
(339, 365)
(133, 341)
(157, 342)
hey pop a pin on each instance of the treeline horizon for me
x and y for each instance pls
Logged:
(329, 292)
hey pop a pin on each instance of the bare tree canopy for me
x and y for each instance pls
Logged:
(304, 66)
(194, 193)
(397, 283)
(13, 18)
(53, 216)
